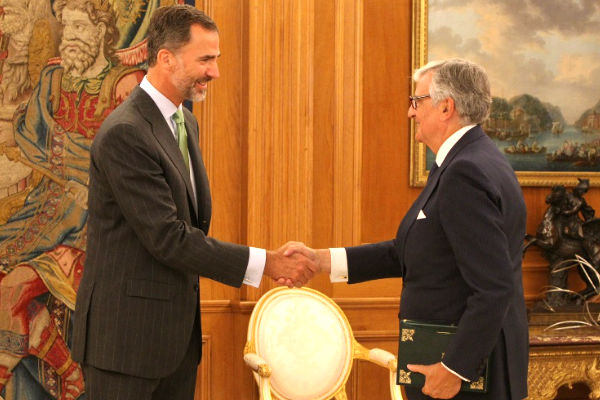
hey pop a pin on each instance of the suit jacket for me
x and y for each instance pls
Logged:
(147, 245)
(462, 263)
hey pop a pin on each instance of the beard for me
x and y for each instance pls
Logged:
(15, 81)
(16, 29)
(196, 95)
(14, 19)
(77, 55)
(187, 86)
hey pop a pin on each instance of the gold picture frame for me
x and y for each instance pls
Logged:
(553, 175)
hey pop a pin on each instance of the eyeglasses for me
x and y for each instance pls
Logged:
(413, 99)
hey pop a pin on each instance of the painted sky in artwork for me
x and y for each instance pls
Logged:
(547, 48)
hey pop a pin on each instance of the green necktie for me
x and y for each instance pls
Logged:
(182, 136)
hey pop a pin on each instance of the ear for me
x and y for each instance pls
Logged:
(165, 58)
(448, 109)
(102, 29)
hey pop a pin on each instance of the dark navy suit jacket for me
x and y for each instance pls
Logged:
(462, 263)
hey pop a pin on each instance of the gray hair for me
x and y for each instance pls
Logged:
(465, 82)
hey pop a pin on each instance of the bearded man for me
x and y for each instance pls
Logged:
(17, 23)
(27, 40)
(42, 246)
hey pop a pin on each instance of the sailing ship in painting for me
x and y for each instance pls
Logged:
(581, 154)
(535, 135)
(525, 148)
(557, 128)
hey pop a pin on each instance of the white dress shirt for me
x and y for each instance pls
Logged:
(258, 257)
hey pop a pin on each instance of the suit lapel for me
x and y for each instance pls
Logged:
(201, 178)
(472, 134)
(432, 181)
(163, 134)
(413, 212)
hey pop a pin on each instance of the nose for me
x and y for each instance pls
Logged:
(213, 70)
(69, 32)
(411, 111)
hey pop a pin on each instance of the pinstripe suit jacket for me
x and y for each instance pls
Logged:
(461, 264)
(147, 245)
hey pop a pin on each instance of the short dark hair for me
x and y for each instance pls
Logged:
(170, 28)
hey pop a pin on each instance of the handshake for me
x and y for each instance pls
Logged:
(294, 264)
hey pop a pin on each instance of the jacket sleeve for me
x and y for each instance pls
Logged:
(373, 261)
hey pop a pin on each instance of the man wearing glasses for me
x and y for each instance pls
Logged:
(461, 252)
(458, 248)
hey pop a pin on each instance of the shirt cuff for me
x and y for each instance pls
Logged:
(461, 377)
(256, 267)
(339, 265)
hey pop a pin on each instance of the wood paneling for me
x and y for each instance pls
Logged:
(305, 137)
(347, 129)
(222, 133)
(280, 124)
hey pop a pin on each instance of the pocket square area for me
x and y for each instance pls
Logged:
(421, 215)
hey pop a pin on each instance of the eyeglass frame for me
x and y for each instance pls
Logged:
(413, 100)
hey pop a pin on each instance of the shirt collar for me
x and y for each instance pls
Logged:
(449, 144)
(166, 107)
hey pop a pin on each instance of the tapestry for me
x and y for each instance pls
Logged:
(64, 66)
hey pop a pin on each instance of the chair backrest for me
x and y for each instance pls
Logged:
(306, 340)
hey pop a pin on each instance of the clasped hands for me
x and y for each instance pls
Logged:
(294, 264)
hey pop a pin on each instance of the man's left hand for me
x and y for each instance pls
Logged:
(439, 382)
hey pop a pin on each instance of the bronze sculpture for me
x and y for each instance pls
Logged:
(567, 230)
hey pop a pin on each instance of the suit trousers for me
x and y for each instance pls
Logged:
(180, 385)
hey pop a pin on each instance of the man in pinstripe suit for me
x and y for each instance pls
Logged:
(137, 324)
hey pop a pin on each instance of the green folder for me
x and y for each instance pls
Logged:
(425, 343)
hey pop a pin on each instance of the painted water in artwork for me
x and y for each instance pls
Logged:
(548, 152)
(536, 137)
(543, 60)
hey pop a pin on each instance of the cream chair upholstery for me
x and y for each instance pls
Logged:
(301, 347)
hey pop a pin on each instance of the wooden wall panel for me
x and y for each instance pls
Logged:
(325, 104)
(347, 129)
(305, 137)
(383, 186)
(280, 124)
(222, 132)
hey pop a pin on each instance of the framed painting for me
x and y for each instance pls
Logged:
(543, 61)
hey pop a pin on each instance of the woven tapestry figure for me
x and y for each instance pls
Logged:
(58, 103)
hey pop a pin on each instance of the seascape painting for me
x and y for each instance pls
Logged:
(543, 60)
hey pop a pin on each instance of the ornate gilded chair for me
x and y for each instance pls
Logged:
(301, 347)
